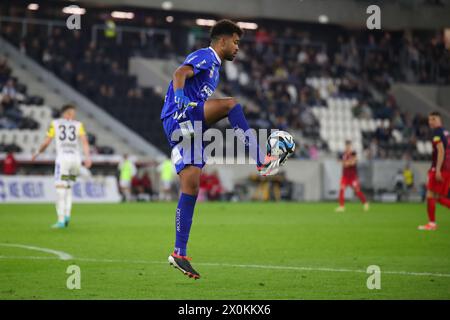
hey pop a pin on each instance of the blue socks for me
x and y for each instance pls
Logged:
(183, 222)
(237, 120)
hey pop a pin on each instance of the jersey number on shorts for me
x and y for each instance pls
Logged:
(63, 135)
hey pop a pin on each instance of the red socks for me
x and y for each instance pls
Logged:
(431, 209)
(341, 197)
(361, 197)
(445, 202)
(359, 194)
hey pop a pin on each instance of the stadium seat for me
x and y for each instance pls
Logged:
(428, 147)
(9, 137)
(420, 147)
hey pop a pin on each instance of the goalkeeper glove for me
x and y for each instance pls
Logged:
(181, 100)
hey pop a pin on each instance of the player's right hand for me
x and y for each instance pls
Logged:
(33, 158)
(88, 163)
(181, 100)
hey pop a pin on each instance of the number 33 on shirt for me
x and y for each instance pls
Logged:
(66, 134)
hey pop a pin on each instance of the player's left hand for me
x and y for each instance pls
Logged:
(438, 176)
(33, 158)
(88, 163)
(181, 100)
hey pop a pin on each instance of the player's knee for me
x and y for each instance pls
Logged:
(60, 192)
(191, 187)
(430, 195)
(190, 180)
(230, 103)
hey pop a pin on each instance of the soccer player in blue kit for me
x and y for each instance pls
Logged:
(187, 101)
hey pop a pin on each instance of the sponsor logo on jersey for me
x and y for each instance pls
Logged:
(69, 145)
(206, 92)
(198, 65)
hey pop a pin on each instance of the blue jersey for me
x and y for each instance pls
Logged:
(206, 65)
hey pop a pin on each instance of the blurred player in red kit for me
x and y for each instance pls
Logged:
(439, 173)
(350, 177)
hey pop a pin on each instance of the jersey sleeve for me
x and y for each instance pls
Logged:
(438, 136)
(81, 130)
(51, 130)
(199, 61)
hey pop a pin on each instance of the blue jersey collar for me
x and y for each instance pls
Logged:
(215, 54)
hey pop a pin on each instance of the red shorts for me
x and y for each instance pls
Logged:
(439, 187)
(349, 182)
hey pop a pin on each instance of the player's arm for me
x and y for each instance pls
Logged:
(85, 145)
(42, 148)
(353, 160)
(180, 75)
(349, 162)
(194, 63)
(440, 160)
(179, 78)
(46, 143)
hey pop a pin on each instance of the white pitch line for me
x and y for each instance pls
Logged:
(325, 269)
(267, 267)
(62, 255)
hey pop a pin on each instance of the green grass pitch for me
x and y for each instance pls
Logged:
(242, 251)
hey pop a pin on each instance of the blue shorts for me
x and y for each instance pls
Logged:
(184, 131)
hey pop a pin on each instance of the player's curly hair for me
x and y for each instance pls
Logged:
(225, 27)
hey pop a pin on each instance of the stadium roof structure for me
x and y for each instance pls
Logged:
(395, 14)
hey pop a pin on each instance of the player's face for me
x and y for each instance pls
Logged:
(231, 47)
(434, 122)
(348, 147)
(69, 114)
